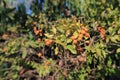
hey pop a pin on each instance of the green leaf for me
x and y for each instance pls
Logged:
(30, 36)
(117, 37)
(69, 41)
(118, 50)
(31, 43)
(41, 44)
(109, 63)
(56, 50)
(93, 50)
(60, 30)
(71, 48)
(11, 16)
(90, 48)
(54, 30)
(24, 54)
(12, 29)
(87, 48)
(113, 39)
(49, 35)
(98, 51)
(104, 53)
(60, 42)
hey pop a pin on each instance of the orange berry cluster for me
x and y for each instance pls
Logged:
(102, 32)
(47, 63)
(79, 49)
(82, 32)
(5, 36)
(39, 54)
(40, 33)
(37, 32)
(48, 42)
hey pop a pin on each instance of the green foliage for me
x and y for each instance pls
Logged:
(84, 43)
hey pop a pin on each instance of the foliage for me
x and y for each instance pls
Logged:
(82, 44)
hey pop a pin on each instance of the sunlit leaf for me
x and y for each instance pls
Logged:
(69, 41)
(76, 34)
(24, 52)
(54, 30)
(63, 38)
(56, 50)
(118, 50)
(49, 35)
(98, 51)
(12, 29)
(60, 30)
(71, 48)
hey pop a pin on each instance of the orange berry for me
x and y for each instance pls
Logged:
(87, 35)
(101, 29)
(80, 37)
(79, 49)
(50, 40)
(4, 36)
(40, 31)
(102, 32)
(39, 40)
(85, 29)
(39, 54)
(41, 34)
(75, 41)
(73, 37)
(48, 63)
(36, 32)
(82, 32)
(48, 43)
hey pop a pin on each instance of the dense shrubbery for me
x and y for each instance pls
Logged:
(82, 44)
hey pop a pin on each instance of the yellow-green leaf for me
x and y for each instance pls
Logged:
(72, 49)
(118, 50)
(56, 50)
(98, 51)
